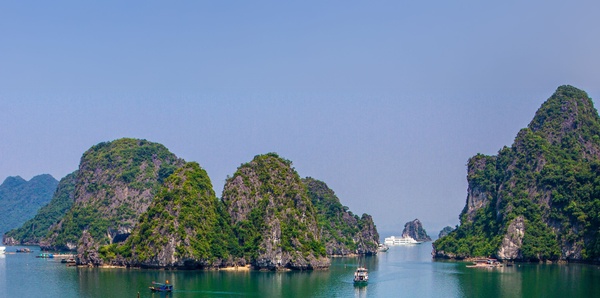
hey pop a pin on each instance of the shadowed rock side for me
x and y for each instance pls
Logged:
(116, 182)
(415, 230)
(32, 231)
(272, 216)
(539, 199)
(342, 232)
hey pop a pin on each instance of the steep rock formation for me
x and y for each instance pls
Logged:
(116, 182)
(20, 199)
(415, 230)
(36, 228)
(513, 240)
(342, 232)
(272, 216)
(184, 227)
(537, 200)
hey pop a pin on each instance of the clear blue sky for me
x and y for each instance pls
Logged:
(385, 101)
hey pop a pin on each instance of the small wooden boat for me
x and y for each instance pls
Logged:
(361, 276)
(158, 287)
(485, 263)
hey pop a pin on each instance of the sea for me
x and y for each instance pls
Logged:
(403, 271)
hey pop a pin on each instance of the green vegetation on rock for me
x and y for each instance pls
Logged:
(539, 199)
(185, 226)
(116, 182)
(341, 230)
(272, 216)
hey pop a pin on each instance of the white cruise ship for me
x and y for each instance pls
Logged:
(393, 241)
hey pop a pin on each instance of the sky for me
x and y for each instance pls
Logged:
(385, 101)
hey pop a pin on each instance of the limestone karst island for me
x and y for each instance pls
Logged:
(133, 203)
(538, 200)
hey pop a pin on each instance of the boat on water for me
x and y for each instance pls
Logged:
(45, 255)
(393, 241)
(485, 263)
(2, 249)
(23, 250)
(158, 287)
(383, 247)
(69, 261)
(361, 275)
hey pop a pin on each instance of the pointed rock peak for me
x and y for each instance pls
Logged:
(415, 230)
(567, 110)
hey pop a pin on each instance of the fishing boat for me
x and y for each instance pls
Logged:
(158, 287)
(361, 276)
(485, 263)
(45, 255)
(69, 261)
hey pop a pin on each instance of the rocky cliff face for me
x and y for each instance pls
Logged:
(20, 199)
(536, 200)
(342, 232)
(36, 228)
(273, 217)
(116, 182)
(415, 230)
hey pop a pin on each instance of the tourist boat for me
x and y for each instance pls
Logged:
(383, 247)
(392, 241)
(69, 261)
(24, 250)
(45, 255)
(158, 287)
(361, 276)
(2, 248)
(485, 263)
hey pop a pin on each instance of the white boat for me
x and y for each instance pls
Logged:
(393, 241)
(361, 275)
(2, 248)
(382, 247)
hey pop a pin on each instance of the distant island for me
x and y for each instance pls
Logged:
(133, 203)
(538, 200)
(20, 200)
(415, 230)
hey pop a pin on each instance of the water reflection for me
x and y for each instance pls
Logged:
(360, 290)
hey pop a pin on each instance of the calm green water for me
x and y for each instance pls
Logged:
(401, 272)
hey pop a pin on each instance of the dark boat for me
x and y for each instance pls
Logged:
(24, 250)
(158, 287)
